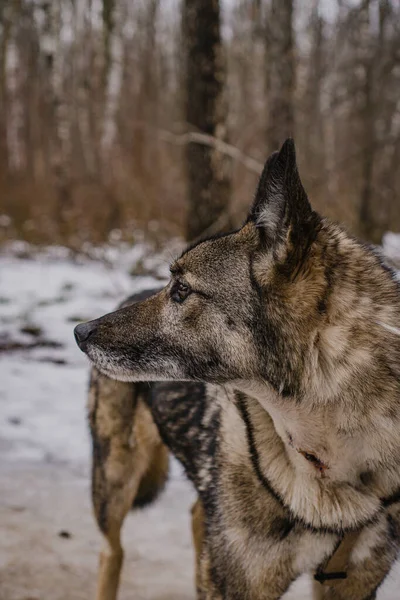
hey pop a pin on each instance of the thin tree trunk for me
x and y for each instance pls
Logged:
(52, 101)
(370, 64)
(5, 27)
(147, 96)
(207, 168)
(280, 72)
(366, 219)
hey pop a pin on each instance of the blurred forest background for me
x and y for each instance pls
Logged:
(157, 115)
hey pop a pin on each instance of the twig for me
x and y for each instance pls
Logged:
(205, 139)
(209, 140)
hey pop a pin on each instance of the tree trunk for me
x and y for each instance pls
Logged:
(368, 63)
(207, 168)
(5, 28)
(280, 73)
(51, 104)
(311, 125)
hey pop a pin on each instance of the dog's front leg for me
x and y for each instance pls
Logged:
(317, 591)
(370, 561)
(205, 588)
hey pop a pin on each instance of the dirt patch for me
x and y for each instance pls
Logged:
(40, 502)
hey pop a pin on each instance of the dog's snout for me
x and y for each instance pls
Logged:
(82, 333)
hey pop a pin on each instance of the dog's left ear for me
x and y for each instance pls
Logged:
(281, 201)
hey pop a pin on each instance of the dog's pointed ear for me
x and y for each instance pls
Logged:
(280, 199)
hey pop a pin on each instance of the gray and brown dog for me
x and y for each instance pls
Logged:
(280, 344)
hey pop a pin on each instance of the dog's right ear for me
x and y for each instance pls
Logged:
(281, 201)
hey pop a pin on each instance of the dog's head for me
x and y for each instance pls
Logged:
(244, 306)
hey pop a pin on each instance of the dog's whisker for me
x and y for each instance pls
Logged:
(390, 328)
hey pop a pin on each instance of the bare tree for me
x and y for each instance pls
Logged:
(311, 121)
(5, 27)
(205, 111)
(280, 72)
(368, 65)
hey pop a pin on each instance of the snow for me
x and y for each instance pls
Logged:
(48, 295)
(391, 247)
(44, 441)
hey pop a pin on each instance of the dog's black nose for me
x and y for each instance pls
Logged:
(83, 332)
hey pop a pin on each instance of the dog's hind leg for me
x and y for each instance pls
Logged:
(198, 538)
(130, 465)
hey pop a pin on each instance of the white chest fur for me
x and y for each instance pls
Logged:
(323, 472)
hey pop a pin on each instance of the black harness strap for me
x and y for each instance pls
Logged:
(334, 569)
(321, 577)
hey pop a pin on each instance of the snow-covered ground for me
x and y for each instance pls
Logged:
(43, 374)
(49, 542)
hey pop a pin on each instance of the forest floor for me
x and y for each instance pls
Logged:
(49, 543)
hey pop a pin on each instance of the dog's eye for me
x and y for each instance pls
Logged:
(180, 292)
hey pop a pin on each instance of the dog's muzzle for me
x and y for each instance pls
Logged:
(82, 334)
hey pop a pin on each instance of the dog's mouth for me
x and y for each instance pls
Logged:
(124, 365)
(109, 363)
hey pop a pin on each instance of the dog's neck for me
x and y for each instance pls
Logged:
(322, 473)
(291, 419)
(325, 440)
(296, 423)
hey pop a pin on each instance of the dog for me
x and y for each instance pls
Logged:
(274, 357)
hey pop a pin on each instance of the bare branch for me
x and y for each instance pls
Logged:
(208, 140)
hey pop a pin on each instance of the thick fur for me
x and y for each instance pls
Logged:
(287, 334)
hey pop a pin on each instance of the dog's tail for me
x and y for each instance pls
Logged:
(155, 476)
(153, 480)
